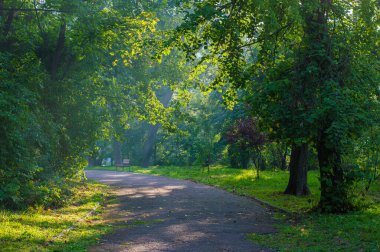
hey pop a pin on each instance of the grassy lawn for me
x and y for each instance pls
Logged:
(357, 231)
(35, 230)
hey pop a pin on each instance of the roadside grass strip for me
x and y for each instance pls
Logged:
(71, 228)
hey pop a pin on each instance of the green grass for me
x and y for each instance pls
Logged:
(35, 229)
(356, 231)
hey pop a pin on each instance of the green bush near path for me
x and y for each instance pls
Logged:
(356, 231)
(36, 229)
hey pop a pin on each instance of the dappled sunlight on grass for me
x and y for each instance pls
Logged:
(356, 231)
(33, 230)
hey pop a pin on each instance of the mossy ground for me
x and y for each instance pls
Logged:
(356, 231)
(36, 229)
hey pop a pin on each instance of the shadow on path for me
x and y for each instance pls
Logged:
(162, 214)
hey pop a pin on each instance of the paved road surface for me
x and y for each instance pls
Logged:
(162, 214)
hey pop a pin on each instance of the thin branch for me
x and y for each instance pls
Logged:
(34, 9)
(38, 18)
(276, 33)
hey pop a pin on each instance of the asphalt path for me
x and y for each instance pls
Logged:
(155, 213)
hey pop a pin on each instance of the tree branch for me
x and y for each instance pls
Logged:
(30, 10)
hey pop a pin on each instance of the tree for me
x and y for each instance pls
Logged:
(152, 131)
(297, 184)
(305, 64)
(57, 93)
(247, 136)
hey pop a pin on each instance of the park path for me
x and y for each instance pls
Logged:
(162, 214)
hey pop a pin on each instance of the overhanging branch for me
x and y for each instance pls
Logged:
(32, 9)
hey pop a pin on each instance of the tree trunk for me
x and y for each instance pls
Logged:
(155, 153)
(58, 51)
(8, 23)
(149, 145)
(116, 152)
(257, 160)
(148, 148)
(258, 167)
(244, 156)
(297, 184)
(93, 161)
(1, 8)
(334, 190)
(334, 186)
(283, 158)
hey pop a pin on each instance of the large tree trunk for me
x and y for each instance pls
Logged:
(148, 148)
(334, 188)
(297, 184)
(334, 191)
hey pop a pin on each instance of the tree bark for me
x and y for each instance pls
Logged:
(148, 148)
(258, 166)
(297, 184)
(334, 191)
(334, 185)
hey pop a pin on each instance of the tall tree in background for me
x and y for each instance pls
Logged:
(150, 142)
